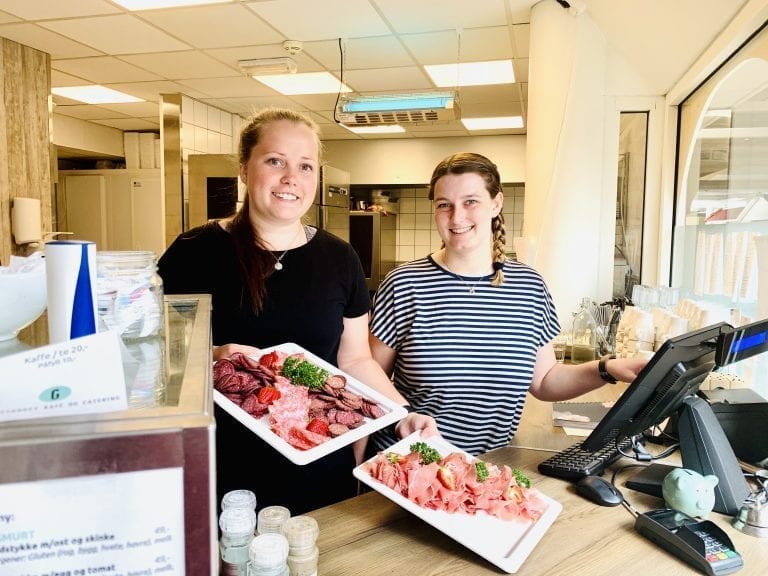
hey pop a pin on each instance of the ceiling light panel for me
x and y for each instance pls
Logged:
(471, 73)
(306, 83)
(493, 123)
(380, 129)
(136, 5)
(94, 94)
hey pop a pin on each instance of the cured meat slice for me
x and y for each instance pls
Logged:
(289, 411)
(304, 439)
(498, 495)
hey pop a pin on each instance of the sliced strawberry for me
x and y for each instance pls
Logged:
(446, 477)
(318, 426)
(267, 395)
(268, 360)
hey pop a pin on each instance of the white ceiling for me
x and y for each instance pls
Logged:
(195, 50)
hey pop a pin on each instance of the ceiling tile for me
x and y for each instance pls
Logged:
(321, 20)
(485, 94)
(490, 109)
(231, 56)
(235, 26)
(246, 107)
(151, 90)
(176, 65)
(360, 53)
(388, 79)
(103, 69)
(236, 86)
(122, 34)
(63, 79)
(5, 18)
(46, 41)
(520, 10)
(433, 47)
(521, 34)
(134, 109)
(49, 9)
(316, 101)
(478, 45)
(87, 112)
(408, 16)
(129, 124)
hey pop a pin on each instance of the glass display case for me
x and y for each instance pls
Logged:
(133, 490)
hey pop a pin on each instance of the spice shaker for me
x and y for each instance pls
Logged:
(301, 533)
(268, 555)
(239, 499)
(272, 518)
(237, 530)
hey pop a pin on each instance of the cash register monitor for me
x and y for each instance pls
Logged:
(665, 386)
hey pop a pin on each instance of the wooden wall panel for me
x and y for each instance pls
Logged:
(25, 148)
(25, 138)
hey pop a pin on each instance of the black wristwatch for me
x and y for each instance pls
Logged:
(604, 374)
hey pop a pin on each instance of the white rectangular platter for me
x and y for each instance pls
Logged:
(505, 543)
(260, 426)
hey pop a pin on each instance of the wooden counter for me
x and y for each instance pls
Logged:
(369, 535)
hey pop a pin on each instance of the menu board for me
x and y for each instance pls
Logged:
(116, 524)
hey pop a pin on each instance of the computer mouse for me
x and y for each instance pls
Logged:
(599, 490)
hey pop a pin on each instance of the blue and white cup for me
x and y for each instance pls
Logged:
(70, 267)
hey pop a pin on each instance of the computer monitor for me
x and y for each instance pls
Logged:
(666, 386)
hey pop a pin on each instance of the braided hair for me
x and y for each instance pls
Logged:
(470, 162)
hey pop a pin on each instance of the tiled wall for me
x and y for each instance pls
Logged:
(206, 130)
(416, 233)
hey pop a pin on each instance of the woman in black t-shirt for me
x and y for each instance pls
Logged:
(272, 281)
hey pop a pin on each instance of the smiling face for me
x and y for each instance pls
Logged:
(281, 172)
(463, 213)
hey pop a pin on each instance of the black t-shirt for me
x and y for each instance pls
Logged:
(320, 283)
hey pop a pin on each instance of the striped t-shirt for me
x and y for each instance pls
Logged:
(465, 358)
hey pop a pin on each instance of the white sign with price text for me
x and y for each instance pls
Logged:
(116, 524)
(79, 376)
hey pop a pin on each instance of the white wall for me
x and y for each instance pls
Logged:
(411, 161)
(82, 135)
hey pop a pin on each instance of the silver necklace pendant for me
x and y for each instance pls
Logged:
(471, 289)
(278, 265)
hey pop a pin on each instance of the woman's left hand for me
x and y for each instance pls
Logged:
(415, 421)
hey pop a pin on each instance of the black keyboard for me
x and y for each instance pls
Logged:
(574, 463)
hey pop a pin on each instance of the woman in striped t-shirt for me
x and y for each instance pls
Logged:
(465, 332)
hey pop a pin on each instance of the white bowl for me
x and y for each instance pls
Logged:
(23, 298)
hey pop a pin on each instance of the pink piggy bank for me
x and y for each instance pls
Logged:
(689, 492)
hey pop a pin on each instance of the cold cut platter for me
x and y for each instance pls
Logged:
(492, 510)
(299, 404)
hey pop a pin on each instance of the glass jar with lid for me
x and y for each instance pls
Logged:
(130, 294)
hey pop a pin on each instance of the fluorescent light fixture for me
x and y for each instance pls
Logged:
(493, 123)
(387, 109)
(94, 94)
(472, 73)
(399, 102)
(378, 129)
(305, 83)
(136, 5)
(263, 66)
